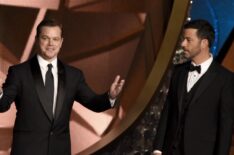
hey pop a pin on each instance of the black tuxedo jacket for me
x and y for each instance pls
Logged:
(36, 131)
(209, 119)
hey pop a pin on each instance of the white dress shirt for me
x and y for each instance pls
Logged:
(194, 76)
(43, 66)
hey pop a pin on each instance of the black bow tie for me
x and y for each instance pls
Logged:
(195, 68)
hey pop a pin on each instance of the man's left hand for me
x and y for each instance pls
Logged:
(116, 87)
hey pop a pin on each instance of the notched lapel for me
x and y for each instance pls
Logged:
(36, 72)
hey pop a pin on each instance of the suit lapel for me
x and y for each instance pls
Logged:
(61, 89)
(36, 72)
(206, 80)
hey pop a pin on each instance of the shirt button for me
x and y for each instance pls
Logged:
(51, 133)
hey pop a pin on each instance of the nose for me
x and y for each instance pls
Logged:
(183, 43)
(51, 42)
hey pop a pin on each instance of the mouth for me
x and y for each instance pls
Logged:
(185, 50)
(50, 49)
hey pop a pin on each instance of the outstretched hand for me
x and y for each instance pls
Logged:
(116, 87)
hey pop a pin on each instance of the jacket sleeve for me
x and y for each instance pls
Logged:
(226, 116)
(162, 127)
(10, 89)
(89, 98)
(163, 122)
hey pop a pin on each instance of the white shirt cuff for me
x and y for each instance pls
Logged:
(112, 102)
(157, 151)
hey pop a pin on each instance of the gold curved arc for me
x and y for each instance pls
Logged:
(163, 60)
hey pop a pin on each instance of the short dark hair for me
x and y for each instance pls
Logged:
(48, 22)
(204, 29)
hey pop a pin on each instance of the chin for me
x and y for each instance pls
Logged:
(48, 57)
(186, 55)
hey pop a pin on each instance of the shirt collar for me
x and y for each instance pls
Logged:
(43, 63)
(205, 65)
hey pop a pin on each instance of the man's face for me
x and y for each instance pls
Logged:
(50, 42)
(191, 44)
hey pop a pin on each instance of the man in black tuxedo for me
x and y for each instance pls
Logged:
(42, 120)
(197, 118)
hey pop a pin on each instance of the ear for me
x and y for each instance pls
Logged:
(204, 43)
(61, 41)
